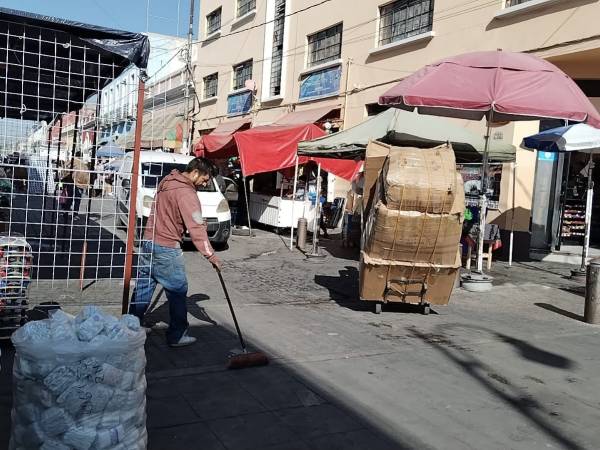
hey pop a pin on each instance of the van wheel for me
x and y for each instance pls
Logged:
(220, 246)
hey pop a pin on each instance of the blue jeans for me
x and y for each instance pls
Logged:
(164, 266)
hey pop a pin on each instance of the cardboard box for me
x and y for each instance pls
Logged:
(413, 236)
(413, 223)
(375, 157)
(403, 283)
(418, 179)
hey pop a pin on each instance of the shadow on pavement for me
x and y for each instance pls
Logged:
(334, 247)
(344, 288)
(512, 396)
(535, 354)
(557, 310)
(193, 402)
(576, 290)
(525, 349)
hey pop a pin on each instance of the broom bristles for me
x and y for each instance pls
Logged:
(244, 360)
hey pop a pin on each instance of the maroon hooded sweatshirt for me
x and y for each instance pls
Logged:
(176, 208)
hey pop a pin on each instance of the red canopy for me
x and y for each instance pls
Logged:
(272, 147)
(220, 144)
(510, 86)
(343, 168)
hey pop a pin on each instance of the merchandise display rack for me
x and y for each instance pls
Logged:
(16, 260)
(573, 220)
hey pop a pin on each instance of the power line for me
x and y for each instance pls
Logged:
(262, 24)
(436, 18)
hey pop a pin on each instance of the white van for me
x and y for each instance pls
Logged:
(154, 166)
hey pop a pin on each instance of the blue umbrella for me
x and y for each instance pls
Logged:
(572, 138)
(110, 150)
(581, 138)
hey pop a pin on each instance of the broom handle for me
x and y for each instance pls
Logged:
(237, 326)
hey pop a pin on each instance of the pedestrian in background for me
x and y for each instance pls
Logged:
(81, 180)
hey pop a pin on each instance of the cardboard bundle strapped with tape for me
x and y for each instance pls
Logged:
(414, 201)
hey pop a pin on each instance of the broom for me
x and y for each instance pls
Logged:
(245, 358)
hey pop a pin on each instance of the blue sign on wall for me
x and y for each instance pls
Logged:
(240, 103)
(321, 84)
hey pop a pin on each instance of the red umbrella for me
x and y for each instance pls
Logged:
(497, 85)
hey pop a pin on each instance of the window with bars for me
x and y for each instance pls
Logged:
(241, 73)
(211, 85)
(213, 22)
(509, 3)
(403, 19)
(325, 45)
(245, 6)
(277, 57)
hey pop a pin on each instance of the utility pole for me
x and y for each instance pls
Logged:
(348, 63)
(190, 74)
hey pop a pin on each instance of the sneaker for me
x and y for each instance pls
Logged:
(184, 341)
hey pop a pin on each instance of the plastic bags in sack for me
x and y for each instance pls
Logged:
(79, 383)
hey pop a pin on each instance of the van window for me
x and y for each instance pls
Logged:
(153, 173)
(210, 187)
(127, 166)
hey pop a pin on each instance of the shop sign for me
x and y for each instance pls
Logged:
(239, 103)
(471, 175)
(322, 83)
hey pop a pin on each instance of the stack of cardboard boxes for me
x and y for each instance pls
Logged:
(414, 204)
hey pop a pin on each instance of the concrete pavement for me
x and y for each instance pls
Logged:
(512, 369)
(515, 368)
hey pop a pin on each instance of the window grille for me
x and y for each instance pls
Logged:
(213, 22)
(325, 46)
(277, 58)
(245, 6)
(509, 3)
(241, 73)
(403, 19)
(211, 84)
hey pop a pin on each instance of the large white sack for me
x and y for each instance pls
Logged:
(79, 383)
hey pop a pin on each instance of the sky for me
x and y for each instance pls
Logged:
(129, 15)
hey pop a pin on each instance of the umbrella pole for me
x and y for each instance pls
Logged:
(246, 187)
(512, 217)
(317, 217)
(483, 199)
(588, 215)
(294, 203)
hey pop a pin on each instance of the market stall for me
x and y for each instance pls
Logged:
(580, 143)
(269, 150)
(498, 86)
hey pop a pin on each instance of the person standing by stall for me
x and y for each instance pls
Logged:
(175, 209)
(81, 180)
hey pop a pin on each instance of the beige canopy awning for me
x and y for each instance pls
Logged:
(162, 127)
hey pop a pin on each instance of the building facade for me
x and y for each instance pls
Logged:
(262, 59)
(118, 105)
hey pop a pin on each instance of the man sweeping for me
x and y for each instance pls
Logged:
(175, 209)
